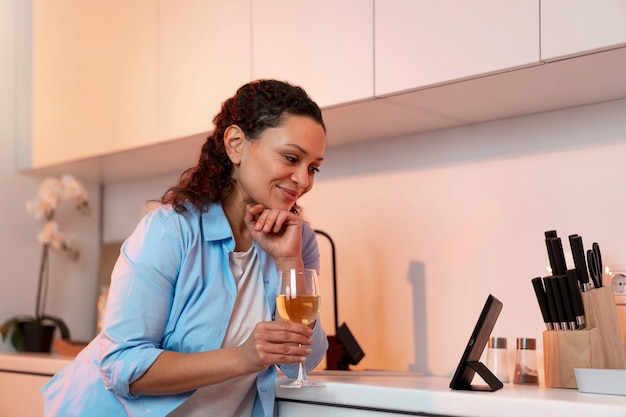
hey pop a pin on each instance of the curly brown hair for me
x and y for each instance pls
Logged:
(255, 107)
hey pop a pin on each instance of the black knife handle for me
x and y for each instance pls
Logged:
(551, 302)
(559, 256)
(578, 253)
(566, 298)
(549, 234)
(558, 302)
(542, 300)
(577, 299)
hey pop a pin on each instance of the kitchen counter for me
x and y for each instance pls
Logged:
(33, 363)
(365, 392)
(412, 394)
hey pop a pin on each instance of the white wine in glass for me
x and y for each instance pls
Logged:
(298, 300)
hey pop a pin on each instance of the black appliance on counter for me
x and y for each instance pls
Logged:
(343, 349)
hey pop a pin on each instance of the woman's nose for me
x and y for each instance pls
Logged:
(299, 179)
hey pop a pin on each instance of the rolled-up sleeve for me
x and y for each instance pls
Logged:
(140, 300)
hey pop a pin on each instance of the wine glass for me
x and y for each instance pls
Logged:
(298, 300)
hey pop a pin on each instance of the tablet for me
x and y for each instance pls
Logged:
(470, 361)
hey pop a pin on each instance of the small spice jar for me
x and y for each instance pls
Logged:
(526, 362)
(497, 358)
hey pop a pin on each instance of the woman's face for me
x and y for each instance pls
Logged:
(280, 166)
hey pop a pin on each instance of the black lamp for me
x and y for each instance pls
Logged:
(343, 349)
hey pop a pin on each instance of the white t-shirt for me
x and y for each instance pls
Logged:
(234, 397)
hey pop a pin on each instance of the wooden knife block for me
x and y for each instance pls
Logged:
(599, 345)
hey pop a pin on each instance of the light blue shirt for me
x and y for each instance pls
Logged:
(171, 289)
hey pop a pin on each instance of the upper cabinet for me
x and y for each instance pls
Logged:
(325, 46)
(94, 78)
(110, 76)
(572, 27)
(423, 43)
(204, 56)
(128, 89)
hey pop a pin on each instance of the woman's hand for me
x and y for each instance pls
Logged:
(278, 232)
(273, 342)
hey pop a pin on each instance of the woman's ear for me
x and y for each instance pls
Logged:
(233, 143)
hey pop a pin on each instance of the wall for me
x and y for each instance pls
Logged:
(427, 226)
(73, 292)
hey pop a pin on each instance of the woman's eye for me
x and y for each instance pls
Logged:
(315, 170)
(291, 159)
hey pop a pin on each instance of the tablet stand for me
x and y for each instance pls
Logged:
(493, 383)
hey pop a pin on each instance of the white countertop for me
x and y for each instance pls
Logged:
(400, 392)
(33, 363)
(411, 393)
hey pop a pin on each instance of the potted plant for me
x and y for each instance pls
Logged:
(34, 333)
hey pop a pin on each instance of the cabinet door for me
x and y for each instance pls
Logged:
(421, 43)
(204, 57)
(574, 27)
(94, 78)
(20, 394)
(324, 46)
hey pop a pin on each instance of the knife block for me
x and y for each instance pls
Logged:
(599, 345)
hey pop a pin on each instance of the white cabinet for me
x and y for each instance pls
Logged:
(114, 81)
(324, 46)
(94, 78)
(204, 56)
(20, 394)
(22, 375)
(423, 43)
(573, 27)
(111, 76)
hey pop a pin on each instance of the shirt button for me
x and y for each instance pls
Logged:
(263, 389)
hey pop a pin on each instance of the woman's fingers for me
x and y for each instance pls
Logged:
(276, 342)
(283, 332)
(267, 220)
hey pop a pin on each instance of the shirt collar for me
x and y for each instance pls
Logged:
(215, 225)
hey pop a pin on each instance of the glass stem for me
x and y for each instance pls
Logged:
(301, 372)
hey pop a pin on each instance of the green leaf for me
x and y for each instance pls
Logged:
(12, 324)
(6, 327)
(17, 340)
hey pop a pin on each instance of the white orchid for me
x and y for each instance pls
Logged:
(52, 192)
(50, 235)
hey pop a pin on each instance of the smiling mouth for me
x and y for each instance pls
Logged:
(290, 194)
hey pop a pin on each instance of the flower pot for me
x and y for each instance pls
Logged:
(36, 337)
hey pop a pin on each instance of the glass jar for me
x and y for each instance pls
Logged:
(497, 358)
(526, 362)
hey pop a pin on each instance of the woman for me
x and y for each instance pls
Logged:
(190, 328)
